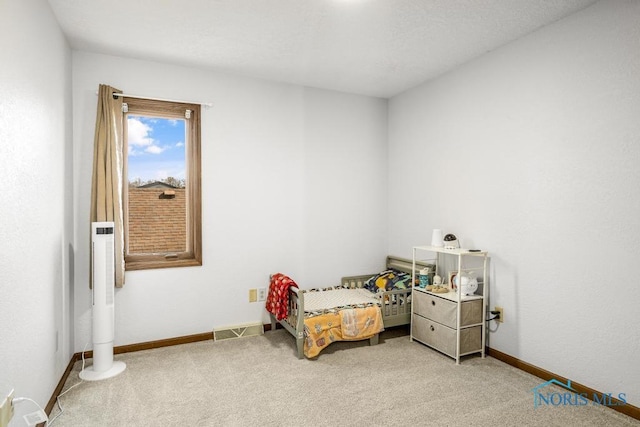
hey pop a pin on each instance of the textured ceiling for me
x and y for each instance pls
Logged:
(371, 47)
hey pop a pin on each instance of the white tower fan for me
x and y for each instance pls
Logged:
(102, 310)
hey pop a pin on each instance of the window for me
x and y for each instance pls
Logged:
(162, 209)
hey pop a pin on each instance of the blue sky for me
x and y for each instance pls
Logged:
(156, 148)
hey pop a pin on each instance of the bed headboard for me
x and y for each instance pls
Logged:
(397, 263)
(405, 264)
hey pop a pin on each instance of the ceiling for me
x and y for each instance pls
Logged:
(371, 47)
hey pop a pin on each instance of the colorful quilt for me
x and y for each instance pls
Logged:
(278, 298)
(388, 280)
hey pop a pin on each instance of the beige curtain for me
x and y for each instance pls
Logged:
(106, 183)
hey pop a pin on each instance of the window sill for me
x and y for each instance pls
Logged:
(161, 263)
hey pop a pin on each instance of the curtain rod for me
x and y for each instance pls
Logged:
(124, 95)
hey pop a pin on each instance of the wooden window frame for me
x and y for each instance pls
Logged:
(193, 254)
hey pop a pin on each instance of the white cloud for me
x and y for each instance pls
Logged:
(180, 144)
(139, 133)
(154, 149)
(140, 137)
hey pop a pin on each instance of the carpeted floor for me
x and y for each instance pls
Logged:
(258, 381)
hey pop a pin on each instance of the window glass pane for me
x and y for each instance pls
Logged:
(157, 176)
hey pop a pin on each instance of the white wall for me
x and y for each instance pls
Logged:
(290, 176)
(532, 152)
(36, 216)
(545, 131)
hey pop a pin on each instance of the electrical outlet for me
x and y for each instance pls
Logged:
(253, 295)
(500, 313)
(262, 294)
(6, 410)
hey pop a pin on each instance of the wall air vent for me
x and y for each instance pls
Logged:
(239, 331)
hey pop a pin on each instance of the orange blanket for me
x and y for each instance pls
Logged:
(345, 325)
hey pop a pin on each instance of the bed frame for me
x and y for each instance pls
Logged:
(395, 311)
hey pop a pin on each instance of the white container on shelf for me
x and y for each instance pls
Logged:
(436, 238)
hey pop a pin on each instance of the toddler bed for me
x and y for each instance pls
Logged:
(360, 308)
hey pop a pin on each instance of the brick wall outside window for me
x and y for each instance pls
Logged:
(157, 223)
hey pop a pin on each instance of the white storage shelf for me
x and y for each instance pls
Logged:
(451, 323)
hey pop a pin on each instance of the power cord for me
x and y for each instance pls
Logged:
(69, 389)
(496, 315)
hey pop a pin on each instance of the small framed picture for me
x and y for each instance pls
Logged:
(452, 275)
